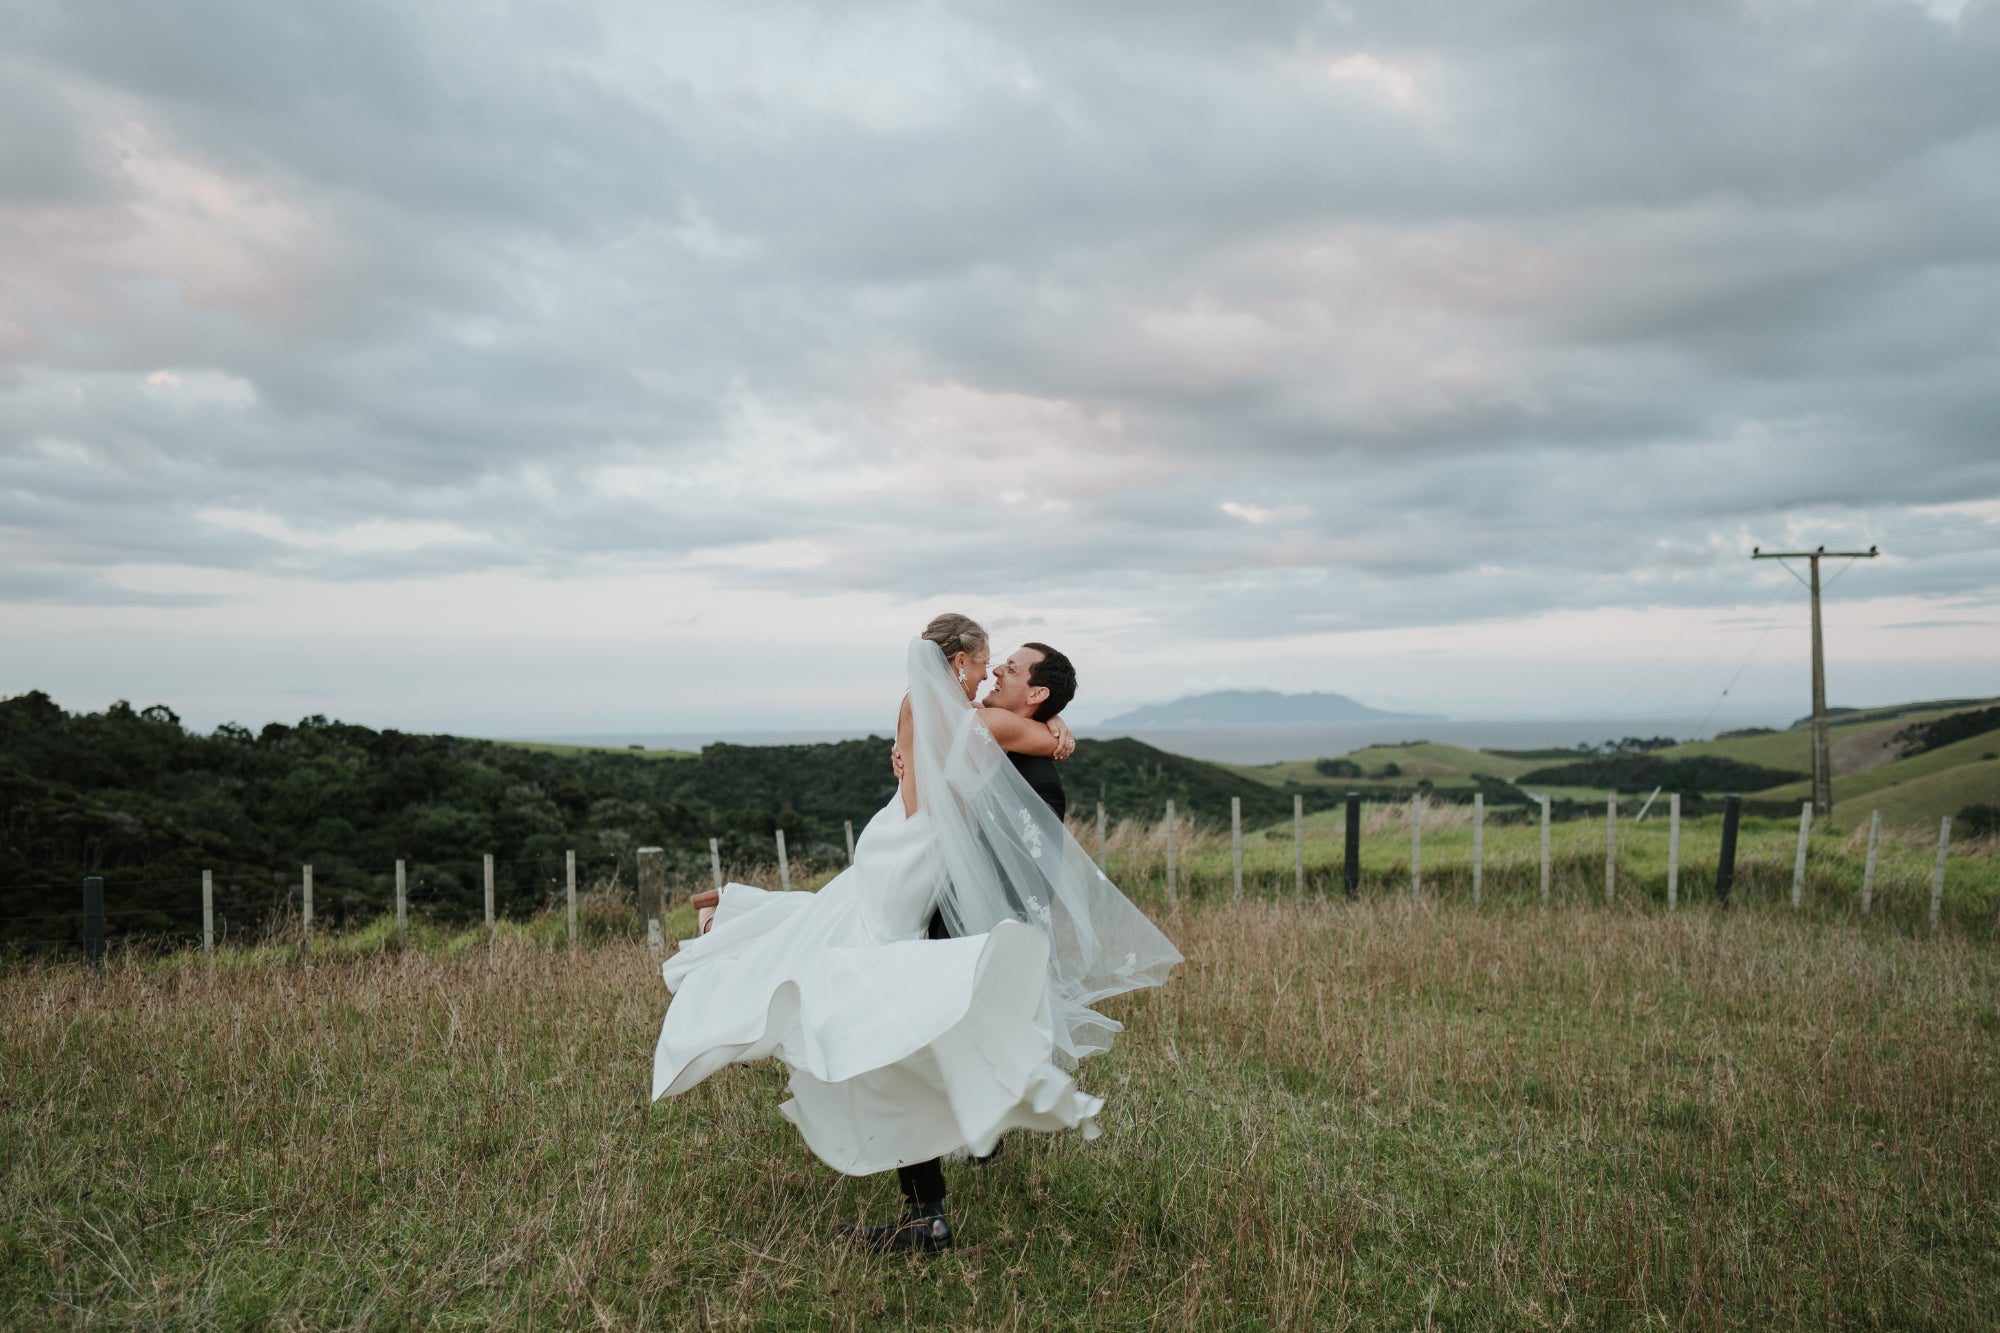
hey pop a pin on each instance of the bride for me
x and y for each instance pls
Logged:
(903, 1049)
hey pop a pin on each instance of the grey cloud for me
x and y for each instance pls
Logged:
(1624, 286)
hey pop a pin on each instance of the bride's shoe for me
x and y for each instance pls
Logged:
(920, 1230)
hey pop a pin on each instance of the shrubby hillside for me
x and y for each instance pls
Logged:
(1643, 772)
(132, 795)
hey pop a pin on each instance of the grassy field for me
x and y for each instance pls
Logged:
(1446, 766)
(1375, 1116)
(1766, 853)
(1911, 793)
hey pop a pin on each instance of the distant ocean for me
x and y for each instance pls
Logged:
(1322, 740)
(1272, 744)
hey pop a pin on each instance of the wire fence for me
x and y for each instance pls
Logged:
(1473, 853)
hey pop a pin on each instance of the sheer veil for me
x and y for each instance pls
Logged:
(1009, 858)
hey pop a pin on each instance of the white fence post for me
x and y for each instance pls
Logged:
(1236, 842)
(1299, 846)
(1478, 844)
(1868, 871)
(208, 918)
(1100, 835)
(715, 861)
(1673, 850)
(649, 882)
(569, 885)
(1173, 889)
(1937, 875)
(1416, 845)
(848, 824)
(1545, 851)
(306, 903)
(489, 896)
(1799, 862)
(1610, 846)
(402, 907)
(784, 866)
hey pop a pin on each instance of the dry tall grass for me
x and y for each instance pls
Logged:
(1376, 1116)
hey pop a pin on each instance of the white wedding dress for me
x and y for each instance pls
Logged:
(903, 1048)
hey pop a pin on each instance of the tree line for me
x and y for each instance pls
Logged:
(132, 795)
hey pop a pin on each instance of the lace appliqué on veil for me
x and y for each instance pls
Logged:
(1030, 835)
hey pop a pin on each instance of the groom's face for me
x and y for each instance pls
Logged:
(1010, 683)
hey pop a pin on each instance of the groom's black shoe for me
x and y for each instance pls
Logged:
(921, 1230)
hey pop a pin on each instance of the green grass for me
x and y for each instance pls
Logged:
(1449, 770)
(1853, 786)
(1917, 802)
(1373, 1116)
(1445, 765)
(1766, 851)
(1792, 749)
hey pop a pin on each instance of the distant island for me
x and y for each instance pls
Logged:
(1235, 708)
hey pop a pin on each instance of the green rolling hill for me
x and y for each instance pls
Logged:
(1917, 802)
(1870, 769)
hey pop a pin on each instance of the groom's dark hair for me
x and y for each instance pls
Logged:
(1054, 674)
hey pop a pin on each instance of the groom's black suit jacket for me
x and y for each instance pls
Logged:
(1040, 771)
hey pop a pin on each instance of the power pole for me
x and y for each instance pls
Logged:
(1822, 756)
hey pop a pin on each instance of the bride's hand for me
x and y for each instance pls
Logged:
(896, 761)
(1065, 738)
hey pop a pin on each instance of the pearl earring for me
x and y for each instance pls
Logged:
(961, 675)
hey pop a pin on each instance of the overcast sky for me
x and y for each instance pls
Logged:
(540, 368)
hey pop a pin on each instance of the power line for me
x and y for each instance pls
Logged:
(1687, 623)
(1666, 705)
(1756, 647)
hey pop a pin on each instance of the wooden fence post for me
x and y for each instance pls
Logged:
(208, 918)
(306, 904)
(1173, 889)
(1725, 862)
(93, 919)
(848, 824)
(1100, 835)
(715, 861)
(402, 906)
(1799, 862)
(569, 892)
(1610, 846)
(1868, 871)
(1673, 850)
(1298, 846)
(1545, 851)
(784, 867)
(1478, 844)
(1236, 842)
(1351, 865)
(488, 864)
(1937, 875)
(1416, 845)
(650, 882)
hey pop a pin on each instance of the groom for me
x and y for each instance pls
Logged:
(1036, 683)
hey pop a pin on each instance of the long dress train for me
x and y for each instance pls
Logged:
(900, 1048)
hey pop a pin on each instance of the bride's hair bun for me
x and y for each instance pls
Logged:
(955, 634)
